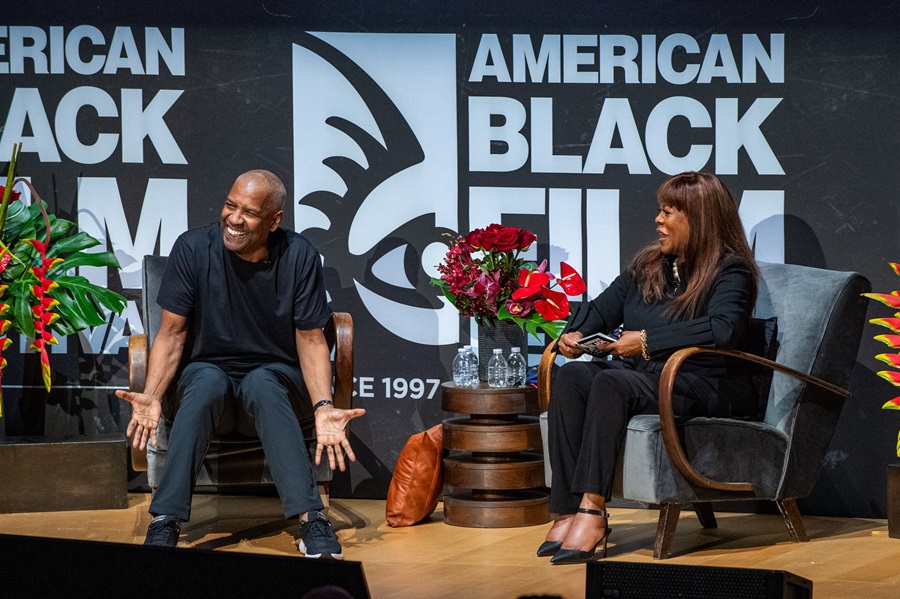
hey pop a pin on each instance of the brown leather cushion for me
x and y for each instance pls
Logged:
(418, 479)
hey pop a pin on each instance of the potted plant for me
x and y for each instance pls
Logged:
(485, 277)
(40, 296)
(892, 340)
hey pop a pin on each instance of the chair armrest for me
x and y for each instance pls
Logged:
(339, 335)
(137, 378)
(137, 362)
(667, 415)
(545, 369)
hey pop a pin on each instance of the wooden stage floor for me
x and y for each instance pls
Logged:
(844, 558)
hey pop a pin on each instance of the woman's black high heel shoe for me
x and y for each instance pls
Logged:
(548, 548)
(577, 556)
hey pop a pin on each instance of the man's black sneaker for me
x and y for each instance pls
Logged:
(317, 539)
(163, 531)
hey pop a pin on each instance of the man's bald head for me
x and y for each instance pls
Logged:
(268, 183)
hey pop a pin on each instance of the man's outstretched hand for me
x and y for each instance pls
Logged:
(331, 436)
(145, 412)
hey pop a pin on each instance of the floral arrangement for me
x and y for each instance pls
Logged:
(484, 276)
(39, 297)
(891, 340)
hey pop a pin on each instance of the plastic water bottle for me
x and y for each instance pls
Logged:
(517, 367)
(473, 365)
(461, 376)
(497, 370)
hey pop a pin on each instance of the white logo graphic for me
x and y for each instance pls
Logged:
(375, 151)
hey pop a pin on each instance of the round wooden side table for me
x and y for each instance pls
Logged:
(495, 466)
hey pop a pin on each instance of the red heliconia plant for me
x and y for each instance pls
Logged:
(893, 341)
(40, 297)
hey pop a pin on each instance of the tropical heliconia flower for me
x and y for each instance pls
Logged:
(890, 375)
(892, 359)
(893, 300)
(890, 299)
(5, 342)
(42, 310)
(889, 340)
(891, 323)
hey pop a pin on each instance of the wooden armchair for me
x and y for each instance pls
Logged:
(704, 460)
(235, 459)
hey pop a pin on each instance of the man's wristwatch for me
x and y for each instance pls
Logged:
(324, 402)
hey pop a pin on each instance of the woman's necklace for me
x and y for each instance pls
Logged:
(675, 274)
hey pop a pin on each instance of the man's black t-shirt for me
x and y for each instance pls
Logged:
(244, 314)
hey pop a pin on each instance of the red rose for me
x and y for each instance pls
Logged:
(475, 238)
(489, 237)
(526, 238)
(508, 239)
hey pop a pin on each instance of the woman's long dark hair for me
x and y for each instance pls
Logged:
(715, 231)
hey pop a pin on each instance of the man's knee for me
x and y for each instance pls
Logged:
(202, 385)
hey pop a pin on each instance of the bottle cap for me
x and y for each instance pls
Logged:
(461, 350)
(516, 350)
(498, 351)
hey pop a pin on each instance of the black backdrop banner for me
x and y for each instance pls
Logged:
(393, 126)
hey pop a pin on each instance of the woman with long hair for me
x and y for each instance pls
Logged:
(695, 286)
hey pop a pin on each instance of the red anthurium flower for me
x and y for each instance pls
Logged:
(889, 340)
(554, 305)
(891, 375)
(893, 404)
(570, 280)
(531, 281)
(892, 359)
(891, 299)
(891, 323)
(5, 257)
(13, 194)
(519, 307)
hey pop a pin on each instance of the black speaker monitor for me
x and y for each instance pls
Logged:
(629, 580)
(43, 567)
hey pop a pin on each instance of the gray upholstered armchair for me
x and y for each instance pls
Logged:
(235, 458)
(704, 460)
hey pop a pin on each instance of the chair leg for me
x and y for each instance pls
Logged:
(665, 529)
(705, 514)
(792, 519)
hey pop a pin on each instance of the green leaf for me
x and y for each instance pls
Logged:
(70, 320)
(84, 259)
(86, 293)
(59, 227)
(18, 224)
(77, 242)
(22, 320)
